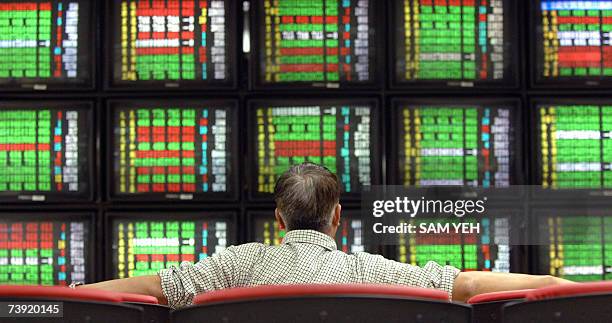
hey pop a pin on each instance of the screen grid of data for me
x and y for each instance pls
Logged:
(487, 250)
(576, 146)
(337, 136)
(44, 41)
(143, 247)
(159, 150)
(451, 40)
(573, 40)
(576, 247)
(349, 237)
(172, 41)
(43, 252)
(317, 41)
(441, 145)
(43, 151)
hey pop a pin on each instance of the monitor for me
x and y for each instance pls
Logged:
(573, 145)
(172, 44)
(488, 249)
(142, 243)
(349, 237)
(456, 142)
(572, 43)
(316, 44)
(46, 151)
(163, 149)
(452, 43)
(340, 134)
(46, 248)
(46, 44)
(574, 244)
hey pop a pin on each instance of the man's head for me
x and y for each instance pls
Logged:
(307, 197)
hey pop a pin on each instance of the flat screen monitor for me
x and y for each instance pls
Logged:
(142, 243)
(46, 248)
(573, 144)
(488, 249)
(182, 150)
(349, 237)
(572, 43)
(452, 43)
(46, 44)
(574, 244)
(340, 134)
(456, 142)
(172, 44)
(316, 43)
(46, 151)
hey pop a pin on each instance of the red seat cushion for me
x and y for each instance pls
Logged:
(57, 292)
(570, 290)
(289, 291)
(499, 296)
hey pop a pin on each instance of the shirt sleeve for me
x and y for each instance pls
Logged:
(181, 284)
(432, 275)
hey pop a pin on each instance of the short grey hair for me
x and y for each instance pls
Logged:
(305, 195)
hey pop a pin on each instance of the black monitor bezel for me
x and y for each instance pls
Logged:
(510, 83)
(161, 215)
(28, 215)
(166, 85)
(256, 21)
(548, 194)
(376, 128)
(536, 82)
(517, 170)
(88, 84)
(232, 195)
(88, 108)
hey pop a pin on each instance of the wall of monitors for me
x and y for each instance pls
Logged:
(136, 134)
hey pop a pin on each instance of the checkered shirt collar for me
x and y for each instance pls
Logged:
(311, 237)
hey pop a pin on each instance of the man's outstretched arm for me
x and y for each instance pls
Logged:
(468, 284)
(146, 285)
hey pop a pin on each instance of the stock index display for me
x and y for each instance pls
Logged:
(44, 250)
(453, 42)
(316, 42)
(45, 151)
(573, 41)
(340, 135)
(576, 246)
(487, 249)
(170, 150)
(456, 144)
(143, 244)
(349, 237)
(172, 42)
(575, 145)
(45, 43)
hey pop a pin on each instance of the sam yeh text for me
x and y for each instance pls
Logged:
(428, 228)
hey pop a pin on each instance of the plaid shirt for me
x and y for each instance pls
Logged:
(304, 257)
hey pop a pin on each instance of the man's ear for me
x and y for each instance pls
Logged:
(336, 217)
(279, 219)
